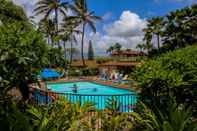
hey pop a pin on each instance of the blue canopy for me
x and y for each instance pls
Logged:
(49, 73)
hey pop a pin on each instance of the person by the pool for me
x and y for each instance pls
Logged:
(95, 89)
(75, 88)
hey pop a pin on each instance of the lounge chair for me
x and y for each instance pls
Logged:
(62, 74)
(102, 77)
(117, 78)
(125, 79)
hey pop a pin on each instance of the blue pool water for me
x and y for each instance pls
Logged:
(95, 93)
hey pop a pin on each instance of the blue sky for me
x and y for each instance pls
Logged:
(144, 8)
(123, 20)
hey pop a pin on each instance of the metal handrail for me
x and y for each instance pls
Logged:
(127, 101)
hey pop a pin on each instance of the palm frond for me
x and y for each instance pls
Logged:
(43, 11)
(92, 26)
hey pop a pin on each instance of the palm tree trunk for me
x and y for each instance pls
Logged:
(64, 49)
(147, 46)
(48, 40)
(71, 52)
(52, 42)
(158, 41)
(82, 43)
(57, 28)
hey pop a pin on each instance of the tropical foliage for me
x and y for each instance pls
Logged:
(172, 72)
(47, 27)
(174, 118)
(47, 7)
(20, 53)
(10, 13)
(87, 18)
(56, 57)
(115, 47)
(61, 115)
(175, 30)
(24, 52)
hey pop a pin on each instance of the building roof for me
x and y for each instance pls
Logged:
(120, 63)
(131, 53)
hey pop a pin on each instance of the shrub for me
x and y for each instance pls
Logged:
(90, 71)
(174, 72)
(83, 72)
(101, 60)
(21, 51)
(56, 57)
(74, 72)
(175, 118)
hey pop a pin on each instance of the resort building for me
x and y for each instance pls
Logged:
(123, 66)
(129, 53)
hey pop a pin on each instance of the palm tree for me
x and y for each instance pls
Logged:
(156, 24)
(148, 38)
(69, 29)
(110, 49)
(48, 7)
(87, 18)
(140, 47)
(47, 26)
(117, 47)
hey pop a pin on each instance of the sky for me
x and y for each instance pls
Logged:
(123, 20)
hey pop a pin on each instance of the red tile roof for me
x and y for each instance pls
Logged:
(131, 53)
(116, 63)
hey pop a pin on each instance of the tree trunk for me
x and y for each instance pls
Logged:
(158, 41)
(71, 52)
(82, 43)
(24, 89)
(48, 40)
(52, 42)
(64, 49)
(57, 28)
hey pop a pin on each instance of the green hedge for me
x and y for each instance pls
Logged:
(174, 72)
(83, 72)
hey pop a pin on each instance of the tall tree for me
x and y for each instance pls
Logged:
(69, 30)
(90, 51)
(48, 7)
(22, 52)
(110, 49)
(47, 27)
(117, 47)
(87, 18)
(176, 30)
(157, 28)
(11, 13)
(154, 27)
(140, 47)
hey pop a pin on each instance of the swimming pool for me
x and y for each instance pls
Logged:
(95, 93)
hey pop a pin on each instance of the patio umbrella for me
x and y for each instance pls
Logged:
(49, 73)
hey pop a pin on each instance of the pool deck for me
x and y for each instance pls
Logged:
(94, 79)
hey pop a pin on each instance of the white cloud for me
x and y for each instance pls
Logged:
(28, 5)
(107, 16)
(194, 1)
(127, 31)
(130, 24)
